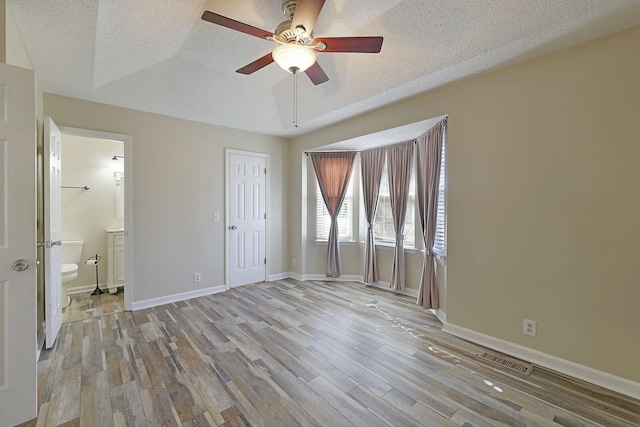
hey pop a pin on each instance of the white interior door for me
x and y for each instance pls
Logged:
(18, 396)
(246, 223)
(52, 231)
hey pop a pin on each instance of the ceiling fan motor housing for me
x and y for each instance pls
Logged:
(289, 8)
(285, 33)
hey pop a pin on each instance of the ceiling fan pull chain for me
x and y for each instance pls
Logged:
(295, 100)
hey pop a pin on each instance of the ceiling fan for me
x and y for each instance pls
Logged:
(296, 43)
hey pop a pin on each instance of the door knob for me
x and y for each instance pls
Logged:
(20, 265)
(233, 227)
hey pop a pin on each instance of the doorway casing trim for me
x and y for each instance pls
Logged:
(128, 203)
(227, 155)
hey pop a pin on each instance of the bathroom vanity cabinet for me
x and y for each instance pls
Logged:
(115, 259)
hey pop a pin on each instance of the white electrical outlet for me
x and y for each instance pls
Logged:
(529, 327)
(196, 277)
(293, 262)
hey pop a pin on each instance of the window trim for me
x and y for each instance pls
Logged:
(354, 210)
(417, 237)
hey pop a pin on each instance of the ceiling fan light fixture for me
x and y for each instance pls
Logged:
(293, 57)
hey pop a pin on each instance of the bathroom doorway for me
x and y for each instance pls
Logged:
(96, 218)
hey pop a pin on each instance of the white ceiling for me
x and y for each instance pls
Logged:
(159, 56)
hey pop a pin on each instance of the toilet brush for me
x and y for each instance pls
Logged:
(97, 290)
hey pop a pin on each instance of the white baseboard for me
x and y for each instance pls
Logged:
(293, 275)
(84, 288)
(413, 293)
(279, 276)
(317, 277)
(585, 373)
(154, 302)
(387, 287)
(323, 278)
(350, 278)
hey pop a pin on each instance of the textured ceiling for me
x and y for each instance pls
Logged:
(161, 57)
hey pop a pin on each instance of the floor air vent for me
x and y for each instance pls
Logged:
(507, 362)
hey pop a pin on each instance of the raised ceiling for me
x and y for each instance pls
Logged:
(159, 56)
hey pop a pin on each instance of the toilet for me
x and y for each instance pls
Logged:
(70, 258)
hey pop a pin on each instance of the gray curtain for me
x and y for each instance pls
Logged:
(428, 154)
(333, 171)
(399, 158)
(371, 164)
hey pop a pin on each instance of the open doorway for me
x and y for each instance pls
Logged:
(95, 223)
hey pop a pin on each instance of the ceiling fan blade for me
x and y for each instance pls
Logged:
(256, 65)
(306, 14)
(316, 74)
(351, 44)
(214, 18)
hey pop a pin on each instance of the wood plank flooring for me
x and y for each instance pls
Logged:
(84, 305)
(291, 353)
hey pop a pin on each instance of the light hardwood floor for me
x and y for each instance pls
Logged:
(291, 353)
(84, 305)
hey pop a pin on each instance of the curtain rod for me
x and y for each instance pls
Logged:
(70, 186)
(334, 151)
(360, 151)
(445, 120)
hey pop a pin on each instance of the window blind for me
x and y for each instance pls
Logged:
(383, 228)
(439, 245)
(345, 216)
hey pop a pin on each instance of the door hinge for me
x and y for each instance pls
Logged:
(265, 171)
(265, 261)
(265, 216)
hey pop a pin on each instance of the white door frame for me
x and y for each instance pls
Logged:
(128, 202)
(227, 154)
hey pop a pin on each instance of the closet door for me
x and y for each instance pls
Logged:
(246, 184)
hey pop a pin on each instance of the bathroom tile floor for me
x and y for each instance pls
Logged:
(85, 306)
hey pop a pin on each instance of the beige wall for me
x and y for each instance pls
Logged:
(86, 214)
(178, 182)
(543, 200)
(16, 54)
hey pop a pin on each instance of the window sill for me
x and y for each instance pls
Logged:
(388, 246)
(341, 242)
